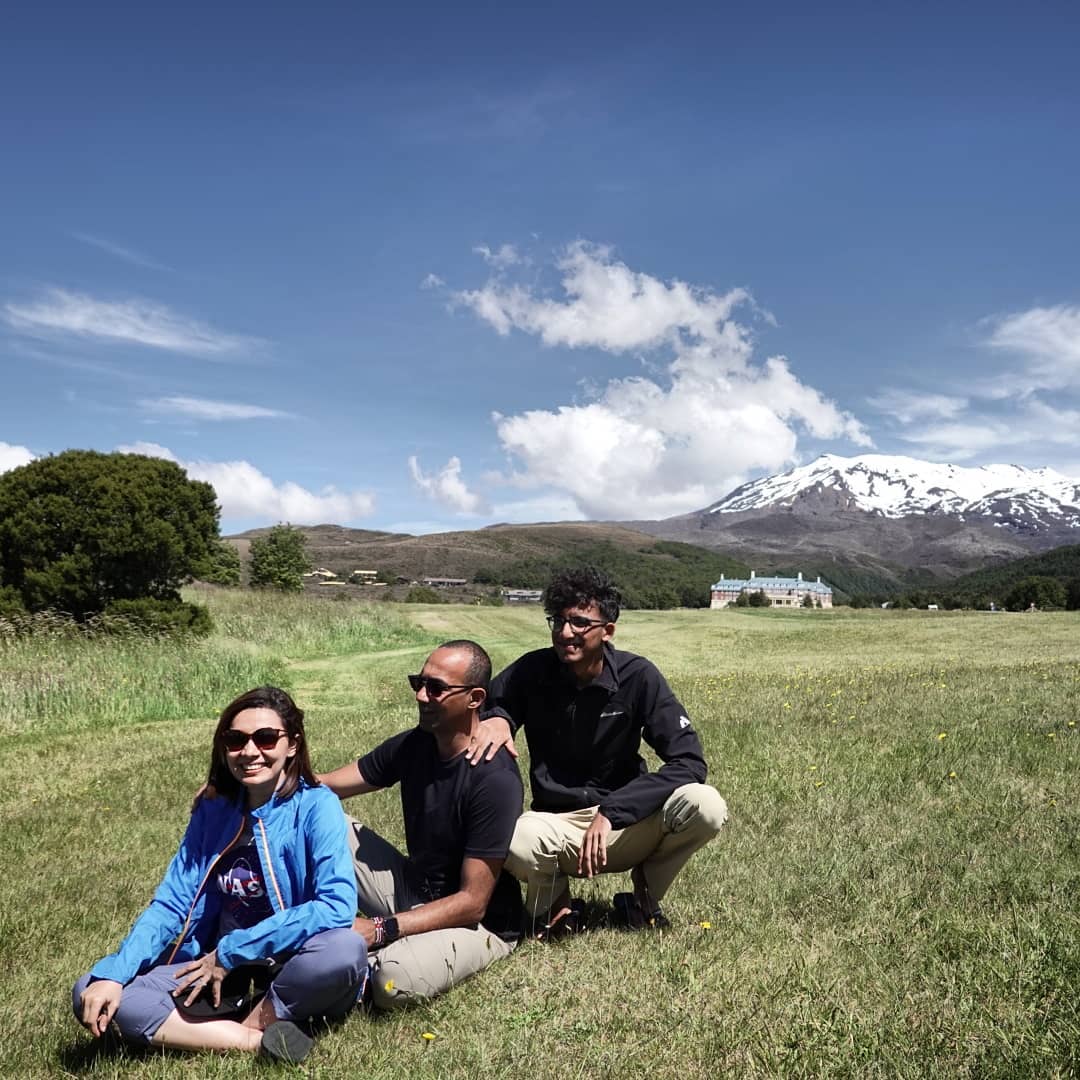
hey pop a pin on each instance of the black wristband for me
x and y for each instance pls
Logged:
(390, 930)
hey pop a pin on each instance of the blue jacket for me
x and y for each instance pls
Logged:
(304, 851)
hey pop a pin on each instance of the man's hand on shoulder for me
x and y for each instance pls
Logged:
(593, 857)
(491, 736)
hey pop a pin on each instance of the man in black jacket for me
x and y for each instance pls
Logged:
(596, 808)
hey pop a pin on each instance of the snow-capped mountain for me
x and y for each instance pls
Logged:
(878, 519)
(1011, 497)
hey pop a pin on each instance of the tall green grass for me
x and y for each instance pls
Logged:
(60, 677)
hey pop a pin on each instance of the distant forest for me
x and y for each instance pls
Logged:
(665, 574)
(1050, 580)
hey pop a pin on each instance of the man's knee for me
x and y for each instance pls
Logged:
(393, 987)
(534, 843)
(697, 806)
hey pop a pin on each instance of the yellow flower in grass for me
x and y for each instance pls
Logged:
(952, 776)
(388, 986)
(428, 1036)
(942, 735)
(705, 925)
(1072, 723)
(1050, 734)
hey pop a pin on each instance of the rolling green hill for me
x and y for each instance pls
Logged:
(978, 588)
(651, 573)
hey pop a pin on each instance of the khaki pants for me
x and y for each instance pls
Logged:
(545, 848)
(419, 966)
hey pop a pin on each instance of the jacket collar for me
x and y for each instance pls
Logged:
(608, 679)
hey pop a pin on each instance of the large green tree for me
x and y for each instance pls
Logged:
(81, 529)
(278, 559)
(1043, 592)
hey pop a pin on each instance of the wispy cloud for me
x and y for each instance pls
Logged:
(246, 493)
(131, 322)
(446, 486)
(11, 457)
(203, 409)
(907, 406)
(130, 255)
(502, 258)
(1047, 339)
(654, 446)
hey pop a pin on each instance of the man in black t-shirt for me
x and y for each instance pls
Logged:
(448, 909)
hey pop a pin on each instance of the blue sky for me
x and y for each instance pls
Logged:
(443, 265)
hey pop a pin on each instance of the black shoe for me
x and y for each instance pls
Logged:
(284, 1041)
(630, 915)
(573, 922)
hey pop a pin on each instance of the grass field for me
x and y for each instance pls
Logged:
(896, 893)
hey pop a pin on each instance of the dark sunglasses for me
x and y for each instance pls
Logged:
(435, 687)
(266, 738)
(577, 622)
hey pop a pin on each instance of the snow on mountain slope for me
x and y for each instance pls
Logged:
(893, 486)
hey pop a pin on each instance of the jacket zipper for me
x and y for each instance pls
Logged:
(202, 885)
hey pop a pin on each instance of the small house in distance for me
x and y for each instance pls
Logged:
(522, 596)
(781, 591)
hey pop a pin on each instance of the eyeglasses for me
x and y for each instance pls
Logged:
(435, 687)
(265, 738)
(577, 622)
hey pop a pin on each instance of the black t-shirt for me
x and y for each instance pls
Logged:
(453, 810)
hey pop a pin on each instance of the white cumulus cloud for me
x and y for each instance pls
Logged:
(446, 486)
(652, 447)
(203, 409)
(246, 492)
(131, 322)
(11, 457)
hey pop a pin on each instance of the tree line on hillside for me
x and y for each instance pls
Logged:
(663, 575)
(1049, 581)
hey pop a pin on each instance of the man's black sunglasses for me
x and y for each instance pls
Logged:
(435, 687)
(577, 622)
(266, 738)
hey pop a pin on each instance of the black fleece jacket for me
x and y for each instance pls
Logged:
(584, 742)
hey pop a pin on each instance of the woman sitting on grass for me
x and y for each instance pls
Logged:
(250, 933)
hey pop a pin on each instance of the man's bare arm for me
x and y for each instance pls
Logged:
(346, 781)
(466, 907)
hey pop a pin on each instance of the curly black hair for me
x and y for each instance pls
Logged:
(580, 587)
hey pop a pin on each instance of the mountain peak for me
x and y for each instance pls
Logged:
(893, 486)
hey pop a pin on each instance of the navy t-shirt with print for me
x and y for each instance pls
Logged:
(239, 878)
(453, 810)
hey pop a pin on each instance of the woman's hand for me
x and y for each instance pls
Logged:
(199, 974)
(100, 1001)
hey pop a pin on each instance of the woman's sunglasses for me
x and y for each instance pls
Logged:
(265, 738)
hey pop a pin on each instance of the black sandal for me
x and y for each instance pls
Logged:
(630, 915)
(573, 922)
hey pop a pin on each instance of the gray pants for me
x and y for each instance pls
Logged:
(321, 979)
(419, 966)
